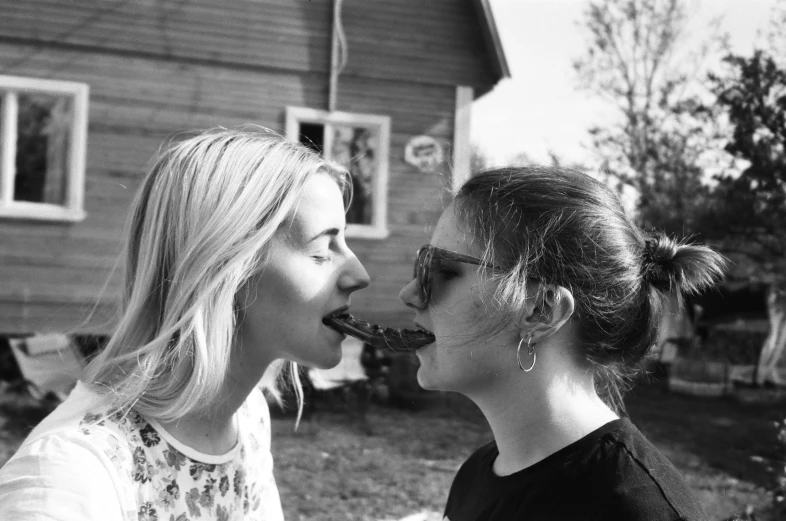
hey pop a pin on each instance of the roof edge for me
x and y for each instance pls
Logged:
(491, 35)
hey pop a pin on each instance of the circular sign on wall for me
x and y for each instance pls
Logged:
(424, 153)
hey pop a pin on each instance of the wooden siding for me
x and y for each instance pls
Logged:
(152, 75)
(438, 41)
(435, 42)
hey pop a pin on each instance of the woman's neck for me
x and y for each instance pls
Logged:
(204, 434)
(214, 430)
(538, 418)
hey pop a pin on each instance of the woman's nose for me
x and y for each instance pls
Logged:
(355, 276)
(409, 295)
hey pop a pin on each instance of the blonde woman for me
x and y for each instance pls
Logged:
(235, 256)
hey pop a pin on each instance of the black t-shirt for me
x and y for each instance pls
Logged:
(613, 473)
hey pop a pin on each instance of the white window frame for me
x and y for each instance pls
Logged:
(296, 115)
(72, 210)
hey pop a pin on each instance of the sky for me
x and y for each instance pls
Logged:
(542, 107)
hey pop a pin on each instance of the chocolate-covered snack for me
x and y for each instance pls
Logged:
(378, 336)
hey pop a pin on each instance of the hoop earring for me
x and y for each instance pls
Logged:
(530, 352)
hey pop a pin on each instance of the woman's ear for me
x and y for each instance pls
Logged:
(550, 309)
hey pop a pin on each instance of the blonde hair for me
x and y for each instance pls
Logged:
(197, 233)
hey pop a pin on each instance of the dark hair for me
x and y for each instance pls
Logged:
(561, 226)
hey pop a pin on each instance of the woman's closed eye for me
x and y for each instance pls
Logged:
(322, 258)
(325, 246)
(323, 253)
(322, 250)
(445, 272)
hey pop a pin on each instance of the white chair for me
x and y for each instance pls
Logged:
(348, 379)
(48, 363)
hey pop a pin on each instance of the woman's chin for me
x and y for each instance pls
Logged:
(327, 362)
(327, 356)
(427, 383)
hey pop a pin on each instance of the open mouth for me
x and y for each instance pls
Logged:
(402, 340)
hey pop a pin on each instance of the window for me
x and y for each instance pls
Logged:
(360, 143)
(43, 136)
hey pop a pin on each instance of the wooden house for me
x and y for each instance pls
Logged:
(89, 91)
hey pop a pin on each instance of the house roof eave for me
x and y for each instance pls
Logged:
(493, 41)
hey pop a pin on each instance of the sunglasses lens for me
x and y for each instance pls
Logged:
(423, 273)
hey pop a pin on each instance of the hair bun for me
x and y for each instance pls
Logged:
(671, 265)
(657, 267)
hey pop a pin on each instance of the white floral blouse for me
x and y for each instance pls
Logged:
(91, 465)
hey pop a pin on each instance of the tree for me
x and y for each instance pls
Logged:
(775, 37)
(666, 131)
(746, 214)
(658, 145)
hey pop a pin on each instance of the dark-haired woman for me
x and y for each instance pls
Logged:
(544, 297)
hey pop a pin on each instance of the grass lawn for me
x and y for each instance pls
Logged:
(331, 468)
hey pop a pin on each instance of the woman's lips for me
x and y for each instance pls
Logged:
(407, 340)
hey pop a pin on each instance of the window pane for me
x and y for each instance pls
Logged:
(313, 136)
(356, 149)
(43, 136)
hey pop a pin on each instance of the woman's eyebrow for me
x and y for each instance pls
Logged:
(333, 232)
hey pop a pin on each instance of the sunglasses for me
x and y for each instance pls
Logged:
(428, 258)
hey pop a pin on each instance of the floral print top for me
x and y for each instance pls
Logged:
(154, 476)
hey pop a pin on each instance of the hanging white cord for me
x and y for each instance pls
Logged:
(342, 39)
(339, 54)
